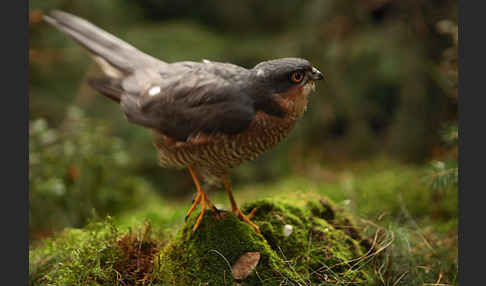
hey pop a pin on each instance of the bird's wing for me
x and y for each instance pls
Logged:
(186, 101)
(180, 100)
(109, 51)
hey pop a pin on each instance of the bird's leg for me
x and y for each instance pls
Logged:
(236, 209)
(196, 201)
(201, 198)
(203, 210)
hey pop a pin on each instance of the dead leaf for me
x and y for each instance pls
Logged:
(245, 265)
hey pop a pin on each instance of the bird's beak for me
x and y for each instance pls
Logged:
(316, 74)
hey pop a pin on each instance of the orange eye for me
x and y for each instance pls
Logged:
(297, 76)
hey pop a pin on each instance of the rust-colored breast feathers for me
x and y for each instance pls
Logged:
(219, 152)
(223, 151)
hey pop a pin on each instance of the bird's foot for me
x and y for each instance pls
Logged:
(216, 211)
(252, 213)
(246, 218)
(200, 217)
(205, 202)
(196, 202)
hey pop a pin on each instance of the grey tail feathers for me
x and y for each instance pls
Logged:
(119, 54)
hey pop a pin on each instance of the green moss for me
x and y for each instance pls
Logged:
(316, 251)
(323, 247)
(77, 257)
(206, 255)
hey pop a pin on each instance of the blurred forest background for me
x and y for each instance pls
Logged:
(388, 105)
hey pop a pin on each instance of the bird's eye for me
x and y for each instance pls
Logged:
(297, 76)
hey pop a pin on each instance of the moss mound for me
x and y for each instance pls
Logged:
(207, 255)
(302, 242)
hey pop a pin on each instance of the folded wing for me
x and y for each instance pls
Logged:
(180, 100)
(187, 102)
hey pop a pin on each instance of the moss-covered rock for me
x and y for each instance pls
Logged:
(302, 242)
(307, 241)
(207, 255)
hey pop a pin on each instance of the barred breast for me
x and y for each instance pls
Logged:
(214, 155)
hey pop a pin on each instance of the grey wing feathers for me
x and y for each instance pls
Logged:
(116, 52)
(180, 100)
(190, 101)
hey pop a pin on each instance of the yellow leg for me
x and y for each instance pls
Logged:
(201, 198)
(197, 200)
(203, 210)
(236, 209)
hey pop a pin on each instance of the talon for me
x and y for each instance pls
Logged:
(217, 211)
(203, 210)
(201, 198)
(252, 213)
(246, 219)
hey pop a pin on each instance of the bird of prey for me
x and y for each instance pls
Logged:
(205, 116)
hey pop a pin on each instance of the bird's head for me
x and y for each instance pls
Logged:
(291, 79)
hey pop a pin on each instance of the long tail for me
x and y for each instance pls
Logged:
(105, 47)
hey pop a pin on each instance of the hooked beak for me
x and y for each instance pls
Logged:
(316, 74)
